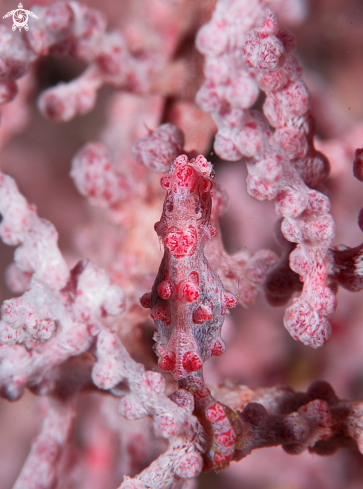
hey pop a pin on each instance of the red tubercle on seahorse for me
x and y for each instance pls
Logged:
(188, 302)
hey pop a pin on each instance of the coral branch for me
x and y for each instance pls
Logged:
(38, 251)
(146, 397)
(40, 469)
(283, 165)
(347, 269)
(71, 28)
(333, 423)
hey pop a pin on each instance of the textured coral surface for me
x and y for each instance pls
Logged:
(180, 188)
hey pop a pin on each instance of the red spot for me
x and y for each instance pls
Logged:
(212, 231)
(191, 362)
(190, 292)
(229, 300)
(97, 458)
(185, 177)
(54, 107)
(167, 363)
(202, 163)
(215, 413)
(202, 314)
(165, 289)
(226, 439)
(194, 278)
(110, 64)
(205, 185)
(217, 349)
(202, 393)
(145, 300)
(165, 182)
(160, 312)
(181, 243)
(251, 125)
(181, 161)
(220, 459)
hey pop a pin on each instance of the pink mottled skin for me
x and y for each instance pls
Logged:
(188, 302)
(220, 422)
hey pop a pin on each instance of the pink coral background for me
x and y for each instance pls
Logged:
(37, 153)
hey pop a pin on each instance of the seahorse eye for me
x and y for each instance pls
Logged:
(169, 205)
(198, 209)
